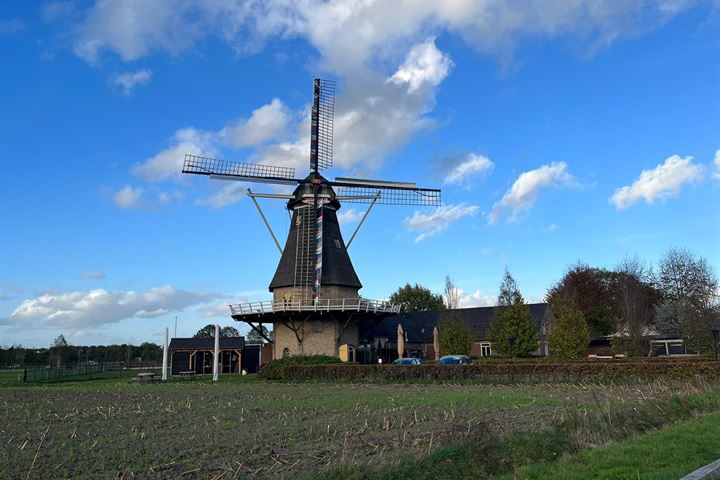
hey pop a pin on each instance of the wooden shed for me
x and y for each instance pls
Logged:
(196, 354)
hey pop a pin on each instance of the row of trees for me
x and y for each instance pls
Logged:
(62, 353)
(632, 300)
(635, 299)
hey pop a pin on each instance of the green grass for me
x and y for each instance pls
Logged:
(669, 453)
(9, 377)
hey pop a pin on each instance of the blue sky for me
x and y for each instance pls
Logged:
(580, 131)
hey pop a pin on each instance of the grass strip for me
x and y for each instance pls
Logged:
(504, 457)
(669, 453)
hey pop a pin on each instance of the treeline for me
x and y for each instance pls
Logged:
(75, 354)
(635, 299)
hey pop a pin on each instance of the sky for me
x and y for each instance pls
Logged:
(558, 132)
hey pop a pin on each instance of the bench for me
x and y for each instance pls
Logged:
(186, 374)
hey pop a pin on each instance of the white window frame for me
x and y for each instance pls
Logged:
(485, 347)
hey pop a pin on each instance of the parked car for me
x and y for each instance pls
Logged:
(454, 360)
(407, 361)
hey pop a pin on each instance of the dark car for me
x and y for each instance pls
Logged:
(454, 360)
(407, 361)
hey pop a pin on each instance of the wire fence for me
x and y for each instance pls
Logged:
(87, 371)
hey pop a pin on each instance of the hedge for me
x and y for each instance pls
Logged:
(274, 370)
(545, 371)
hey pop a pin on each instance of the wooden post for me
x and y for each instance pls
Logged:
(216, 356)
(165, 356)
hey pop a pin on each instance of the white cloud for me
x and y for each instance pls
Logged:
(229, 194)
(349, 215)
(425, 65)
(475, 299)
(716, 164)
(128, 197)
(524, 191)
(264, 124)
(168, 163)
(167, 197)
(94, 308)
(472, 165)
(551, 228)
(352, 33)
(129, 80)
(438, 220)
(662, 182)
(92, 275)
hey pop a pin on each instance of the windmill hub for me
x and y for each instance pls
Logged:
(316, 306)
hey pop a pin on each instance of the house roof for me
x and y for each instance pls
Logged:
(419, 325)
(207, 343)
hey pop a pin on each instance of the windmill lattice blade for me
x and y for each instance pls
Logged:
(321, 129)
(226, 170)
(427, 197)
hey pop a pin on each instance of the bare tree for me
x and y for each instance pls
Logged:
(452, 295)
(690, 303)
(635, 299)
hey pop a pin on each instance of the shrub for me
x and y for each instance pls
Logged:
(513, 321)
(274, 370)
(569, 335)
(455, 336)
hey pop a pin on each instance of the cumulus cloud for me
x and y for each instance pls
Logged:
(524, 191)
(229, 194)
(471, 166)
(438, 220)
(475, 299)
(264, 124)
(425, 65)
(98, 307)
(129, 80)
(128, 197)
(349, 215)
(168, 163)
(664, 181)
(352, 32)
(716, 165)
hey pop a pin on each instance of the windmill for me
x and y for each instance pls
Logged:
(315, 275)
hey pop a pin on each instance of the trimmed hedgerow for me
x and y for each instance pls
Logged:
(274, 369)
(508, 371)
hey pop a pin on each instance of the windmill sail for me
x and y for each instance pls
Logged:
(356, 190)
(321, 125)
(225, 170)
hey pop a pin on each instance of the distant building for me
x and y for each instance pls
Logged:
(379, 339)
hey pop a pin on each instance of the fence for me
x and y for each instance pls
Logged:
(86, 371)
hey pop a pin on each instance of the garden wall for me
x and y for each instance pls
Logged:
(541, 371)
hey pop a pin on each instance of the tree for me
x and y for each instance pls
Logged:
(416, 298)
(569, 334)
(690, 304)
(455, 336)
(452, 295)
(589, 289)
(635, 298)
(254, 336)
(209, 331)
(512, 331)
(59, 344)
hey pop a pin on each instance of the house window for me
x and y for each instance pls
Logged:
(286, 352)
(485, 350)
(318, 326)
